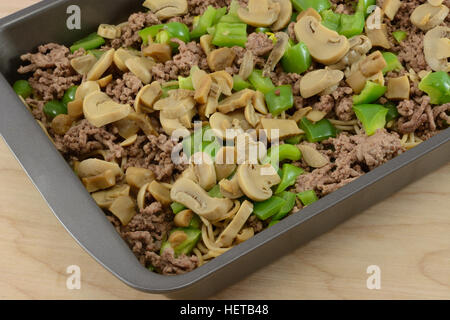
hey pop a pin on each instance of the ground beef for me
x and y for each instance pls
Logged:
(136, 22)
(254, 223)
(124, 89)
(259, 44)
(340, 101)
(168, 264)
(281, 78)
(326, 104)
(354, 155)
(291, 31)
(198, 7)
(412, 123)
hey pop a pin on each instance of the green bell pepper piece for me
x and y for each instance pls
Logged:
(352, 25)
(215, 192)
(177, 207)
(288, 206)
(371, 93)
(318, 5)
(294, 140)
(54, 108)
(92, 41)
(393, 64)
(307, 197)
(96, 53)
(150, 32)
(232, 16)
(193, 236)
(191, 144)
(23, 88)
(437, 86)
(206, 21)
(364, 5)
(280, 153)
(196, 222)
(185, 83)
(372, 116)
(239, 83)
(69, 95)
(319, 131)
(279, 99)
(166, 90)
(289, 175)
(296, 59)
(230, 34)
(331, 20)
(392, 111)
(272, 223)
(266, 209)
(262, 30)
(259, 82)
(399, 35)
(172, 30)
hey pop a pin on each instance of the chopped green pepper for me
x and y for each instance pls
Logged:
(272, 223)
(215, 192)
(277, 154)
(331, 20)
(372, 116)
(319, 131)
(279, 99)
(393, 64)
(177, 207)
(69, 95)
(166, 90)
(196, 222)
(289, 175)
(260, 82)
(318, 5)
(171, 30)
(23, 88)
(364, 6)
(239, 83)
(266, 209)
(96, 53)
(262, 30)
(371, 93)
(399, 35)
(392, 112)
(230, 34)
(186, 247)
(289, 197)
(352, 25)
(185, 83)
(437, 86)
(307, 197)
(198, 141)
(206, 21)
(92, 41)
(54, 108)
(296, 59)
(294, 140)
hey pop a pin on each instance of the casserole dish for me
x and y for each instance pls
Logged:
(85, 221)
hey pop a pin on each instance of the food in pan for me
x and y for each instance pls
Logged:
(196, 124)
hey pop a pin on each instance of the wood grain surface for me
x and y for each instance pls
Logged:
(407, 236)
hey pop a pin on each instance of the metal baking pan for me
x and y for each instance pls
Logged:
(71, 203)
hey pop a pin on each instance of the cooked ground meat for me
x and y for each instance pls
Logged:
(124, 89)
(259, 44)
(136, 22)
(198, 7)
(168, 264)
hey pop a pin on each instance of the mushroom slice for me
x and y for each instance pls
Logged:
(259, 103)
(236, 101)
(390, 8)
(260, 13)
(138, 177)
(147, 97)
(220, 59)
(82, 65)
(249, 150)
(224, 127)
(435, 2)
(436, 45)
(256, 180)
(228, 235)
(285, 15)
(144, 123)
(141, 196)
(109, 31)
(124, 208)
(202, 85)
(359, 46)
(277, 53)
(95, 167)
(189, 174)
(127, 128)
(129, 141)
(100, 67)
(206, 44)
(160, 192)
(86, 88)
(121, 56)
(141, 67)
(312, 157)
(212, 102)
(176, 113)
(251, 116)
(224, 80)
(103, 82)
(225, 162)
(194, 197)
(204, 170)
(100, 110)
(398, 88)
(165, 9)
(247, 65)
(105, 199)
(317, 81)
(280, 128)
(379, 36)
(230, 188)
(102, 181)
(310, 12)
(61, 124)
(160, 52)
(427, 16)
(372, 64)
(245, 235)
(325, 45)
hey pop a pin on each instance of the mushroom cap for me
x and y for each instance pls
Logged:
(427, 16)
(436, 48)
(317, 81)
(105, 198)
(141, 67)
(160, 52)
(260, 13)
(228, 235)
(230, 188)
(99, 109)
(94, 167)
(285, 128)
(236, 101)
(122, 55)
(256, 181)
(124, 208)
(285, 15)
(204, 170)
(160, 192)
(100, 67)
(277, 53)
(108, 31)
(147, 97)
(165, 9)
(82, 65)
(326, 46)
(225, 162)
(138, 177)
(86, 88)
(223, 126)
(220, 59)
(312, 157)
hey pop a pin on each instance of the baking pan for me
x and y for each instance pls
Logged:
(71, 203)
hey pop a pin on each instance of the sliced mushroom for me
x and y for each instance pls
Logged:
(61, 124)
(141, 67)
(206, 44)
(189, 174)
(212, 101)
(144, 123)
(124, 208)
(230, 188)
(309, 12)
(244, 235)
(165, 9)
(247, 65)
(109, 31)
(100, 67)
(369, 68)
(251, 116)
(147, 97)
(224, 127)
(300, 114)
(95, 167)
(312, 157)
(141, 196)
(105, 199)
(390, 8)
(259, 103)
(194, 197)
(236, 101)
(280, 128)
(260, 13)
(435, 2)
(285, 15)
(277, 53)
(204, 170)
(325, 45)
(99, 109)
(138, 177)
(427, 16)
(436, 47)
(316, 115)
(160, 193)
(256, 180)
(248, 149)
(228, 235)
(122, 55)
(220, 59)
(176, 113)
(102, 181)
(225, 162)
(160, 52)
(82, 65)
(129, 141)
(224, 80)
(127, 128)
(183, 219)
(202, 85)
(359, 46)
(372, 64)
(86, 88)
(177, 237)
(103, 82)
(317, 81)
(398, 88)
(379, 36)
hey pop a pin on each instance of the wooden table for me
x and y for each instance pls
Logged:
(407, 236)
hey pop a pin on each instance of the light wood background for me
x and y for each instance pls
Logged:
(407, 236)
